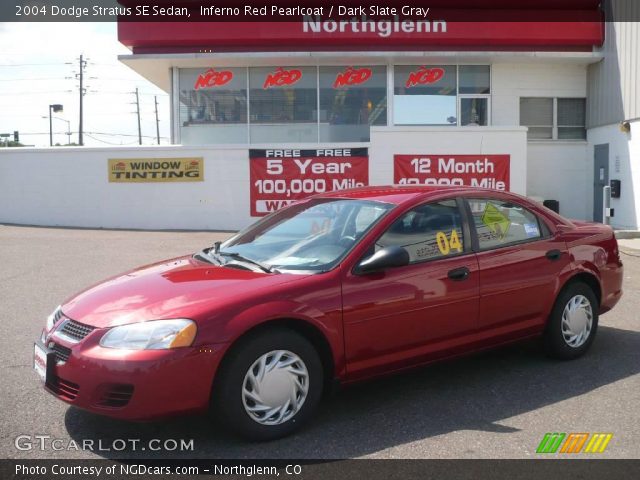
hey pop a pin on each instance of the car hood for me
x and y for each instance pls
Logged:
(178, 288)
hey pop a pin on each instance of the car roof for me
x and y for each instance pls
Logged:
(399, 194)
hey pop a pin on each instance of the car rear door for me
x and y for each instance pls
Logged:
(520, 262)
(418, 312)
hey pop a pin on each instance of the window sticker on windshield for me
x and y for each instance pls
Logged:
(531, 229)
(496, 221)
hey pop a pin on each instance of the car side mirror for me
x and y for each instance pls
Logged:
(387, 257)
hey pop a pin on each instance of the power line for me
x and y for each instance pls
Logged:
(36, 93)
(104, 92)
(94, 133)
(123, 134)
(108, 143)
(30, 79)
(42, 133)
(114, 92)
(31, 64)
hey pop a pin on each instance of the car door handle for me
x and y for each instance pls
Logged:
(458, 274)
(554, 255)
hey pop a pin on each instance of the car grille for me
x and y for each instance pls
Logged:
(62, 352)
(116, 396)
(63, 388)
(75, 330)
(57, 316)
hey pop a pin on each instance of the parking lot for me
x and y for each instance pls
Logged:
(492, 405)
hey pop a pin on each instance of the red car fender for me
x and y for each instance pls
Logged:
(327, 327)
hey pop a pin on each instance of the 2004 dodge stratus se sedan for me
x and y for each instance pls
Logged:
(343, 286)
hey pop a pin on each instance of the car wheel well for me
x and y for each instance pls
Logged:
(590, 280)
(306, 330)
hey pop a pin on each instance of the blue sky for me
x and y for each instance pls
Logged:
(38, 63)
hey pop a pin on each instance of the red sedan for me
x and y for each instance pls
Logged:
(342, 286)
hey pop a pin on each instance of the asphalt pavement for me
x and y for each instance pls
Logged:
(497, 404)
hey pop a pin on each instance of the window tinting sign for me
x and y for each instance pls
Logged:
(139, 170)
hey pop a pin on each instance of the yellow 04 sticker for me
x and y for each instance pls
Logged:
(447, 244)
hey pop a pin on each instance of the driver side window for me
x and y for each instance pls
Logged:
(427, 232)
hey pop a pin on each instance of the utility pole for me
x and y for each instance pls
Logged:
(83, 91)
(138, 113)
(155, 99)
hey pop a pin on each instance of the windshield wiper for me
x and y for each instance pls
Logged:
(208, 256)
(237, 256)
(202, 256)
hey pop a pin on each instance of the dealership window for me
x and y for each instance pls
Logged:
(442, 95)
(572, 119)
(554, 118)
(213, 105)
(474, 79)
(283, 104)
(425, 95)
(351, 100)
(474, 111)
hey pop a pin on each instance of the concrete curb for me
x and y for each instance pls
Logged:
(627, 234)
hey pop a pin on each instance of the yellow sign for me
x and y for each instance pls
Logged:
(496, 221)
(445, 245)
(156, 169)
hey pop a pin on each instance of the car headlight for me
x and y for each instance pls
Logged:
(152, 335)
(54, 317)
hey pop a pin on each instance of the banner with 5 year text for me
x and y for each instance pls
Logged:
(280, 177)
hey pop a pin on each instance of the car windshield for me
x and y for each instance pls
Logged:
(312, 235)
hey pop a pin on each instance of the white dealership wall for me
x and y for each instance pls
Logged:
(69, 186)
(387, 141)
(624, 165)
(556, 169)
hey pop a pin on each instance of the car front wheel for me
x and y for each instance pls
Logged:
(573, 323)
(269, 386)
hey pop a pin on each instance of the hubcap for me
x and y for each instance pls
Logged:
(577, 319)
(275, 387)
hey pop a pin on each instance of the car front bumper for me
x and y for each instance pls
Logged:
(131, 384)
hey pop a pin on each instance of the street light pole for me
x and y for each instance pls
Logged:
(56, 108)
(68, 134)
(68, 131)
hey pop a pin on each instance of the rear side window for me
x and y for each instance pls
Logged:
(427, 232)
(500, 223)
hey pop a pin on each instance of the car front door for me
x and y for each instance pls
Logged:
(519, 262)
(418, 312)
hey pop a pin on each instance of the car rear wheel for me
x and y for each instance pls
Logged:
(573, 323)
(269, 386)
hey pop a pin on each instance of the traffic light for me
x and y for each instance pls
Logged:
(16, 136)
